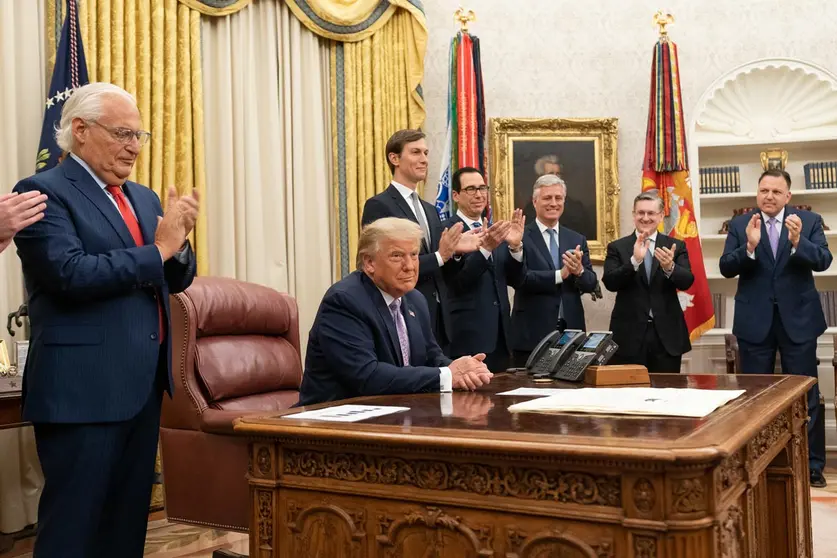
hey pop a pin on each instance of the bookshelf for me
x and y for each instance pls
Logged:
(766, 104)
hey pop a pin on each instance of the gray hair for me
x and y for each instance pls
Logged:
(540, 164)
(547, 180)
(85, 103)
(650, 195)
(388, 228)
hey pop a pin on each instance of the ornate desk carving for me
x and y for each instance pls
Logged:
(417, 484)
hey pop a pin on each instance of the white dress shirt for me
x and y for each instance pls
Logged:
(546, 237)
(407, 193)
(469, 225)
(445, 376)
(652, 245)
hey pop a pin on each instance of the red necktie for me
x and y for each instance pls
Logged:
(134, 228)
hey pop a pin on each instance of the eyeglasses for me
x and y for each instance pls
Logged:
(646, 213)
(125, 135)
(471, 190)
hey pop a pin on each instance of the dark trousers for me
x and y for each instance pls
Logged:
(649, 354)
(500, 359)
(799, 359)
(97, 485)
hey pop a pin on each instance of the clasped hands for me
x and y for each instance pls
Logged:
(663, 255)
(792, 222)
(455, 242)
(177, 222)
(470, 372)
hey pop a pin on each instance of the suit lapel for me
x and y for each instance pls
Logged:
(783, 249)
(85, 184)
(535, 237)
(662, 242)
(384, 314)
(433, 224)
(414, 333)
(145, 213)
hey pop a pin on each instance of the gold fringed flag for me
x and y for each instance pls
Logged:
(666, 170)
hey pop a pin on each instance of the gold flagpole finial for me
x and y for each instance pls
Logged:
(463, 18)
(662, 20)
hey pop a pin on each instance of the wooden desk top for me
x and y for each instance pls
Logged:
(481, 421)
(10, 410)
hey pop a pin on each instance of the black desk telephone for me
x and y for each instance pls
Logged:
(565, 354)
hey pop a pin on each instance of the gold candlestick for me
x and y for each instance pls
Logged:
(463, 18)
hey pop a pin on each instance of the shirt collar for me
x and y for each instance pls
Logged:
(543, 227)
(403, 190)
(780, 217)
(388, 298)
(652, 238)
(468, 221)
(86, 167)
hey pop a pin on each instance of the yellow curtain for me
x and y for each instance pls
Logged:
(151, 48)
(375, 99)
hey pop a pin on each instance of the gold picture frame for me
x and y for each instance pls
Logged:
(584, 152)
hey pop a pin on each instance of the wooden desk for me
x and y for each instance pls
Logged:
(9, 418)
(487, 482)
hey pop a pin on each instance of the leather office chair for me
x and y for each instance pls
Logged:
(235, 352)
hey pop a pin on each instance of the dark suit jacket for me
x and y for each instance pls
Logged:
(94, 349)
(353, 347)
(537, 298)
(479, 298)
(390, 203)
(786, 281)
(635, 296)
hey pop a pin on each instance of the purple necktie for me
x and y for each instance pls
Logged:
(401, 328)
(773, 235)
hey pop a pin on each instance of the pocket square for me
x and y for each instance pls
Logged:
(411, 313)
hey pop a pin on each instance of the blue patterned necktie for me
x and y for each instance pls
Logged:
(554, 251)
(649, 259)
(401, 329)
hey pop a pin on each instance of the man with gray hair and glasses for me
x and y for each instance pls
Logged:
(646, 269)
(557, 270)
(99, 268)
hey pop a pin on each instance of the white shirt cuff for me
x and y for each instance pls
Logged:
(445, 380)
(751, 255)
(439, 259)
(485, 253)
(793, 250)
(558, 278)
(635, 263)
(518, 256)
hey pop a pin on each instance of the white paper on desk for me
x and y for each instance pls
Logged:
(676, 402)
(533, 392)
(348, 413)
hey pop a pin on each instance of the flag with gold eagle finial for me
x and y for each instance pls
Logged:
(69, 74)
(665, 169)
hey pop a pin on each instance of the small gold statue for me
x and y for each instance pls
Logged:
(463, 18)
(774, 158)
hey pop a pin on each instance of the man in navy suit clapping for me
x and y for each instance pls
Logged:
(99, 268)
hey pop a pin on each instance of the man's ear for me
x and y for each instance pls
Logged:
(394, 158)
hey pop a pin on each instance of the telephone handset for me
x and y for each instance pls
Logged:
(596, 349)
(553, 350)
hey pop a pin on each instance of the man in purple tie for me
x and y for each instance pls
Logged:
(372, 334)
(774, 252)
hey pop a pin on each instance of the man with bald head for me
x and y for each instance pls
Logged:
(99, 267)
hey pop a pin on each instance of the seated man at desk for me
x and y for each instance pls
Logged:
(372, 332)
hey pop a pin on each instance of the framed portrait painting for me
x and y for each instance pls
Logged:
(582, 151)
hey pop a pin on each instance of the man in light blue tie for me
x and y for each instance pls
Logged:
(774, 252)
(557, 270)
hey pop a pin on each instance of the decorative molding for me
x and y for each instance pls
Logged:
(264, 500)
(689, 495)
(761, 443)
(486, 480)
(645, 547)
(435, 519)
(264, 461)
(644, 495)
(731, 533)
(553, 542)
(731, 471)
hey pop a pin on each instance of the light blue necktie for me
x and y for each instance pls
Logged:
(554, 251)
(773, 235)
(649, 260)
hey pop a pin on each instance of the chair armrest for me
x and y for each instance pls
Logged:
(216, 421)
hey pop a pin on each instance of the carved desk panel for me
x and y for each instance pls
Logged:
(484, 482)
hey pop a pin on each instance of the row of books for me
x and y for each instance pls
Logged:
(819, 176)
(828, 299)
(720, 180)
